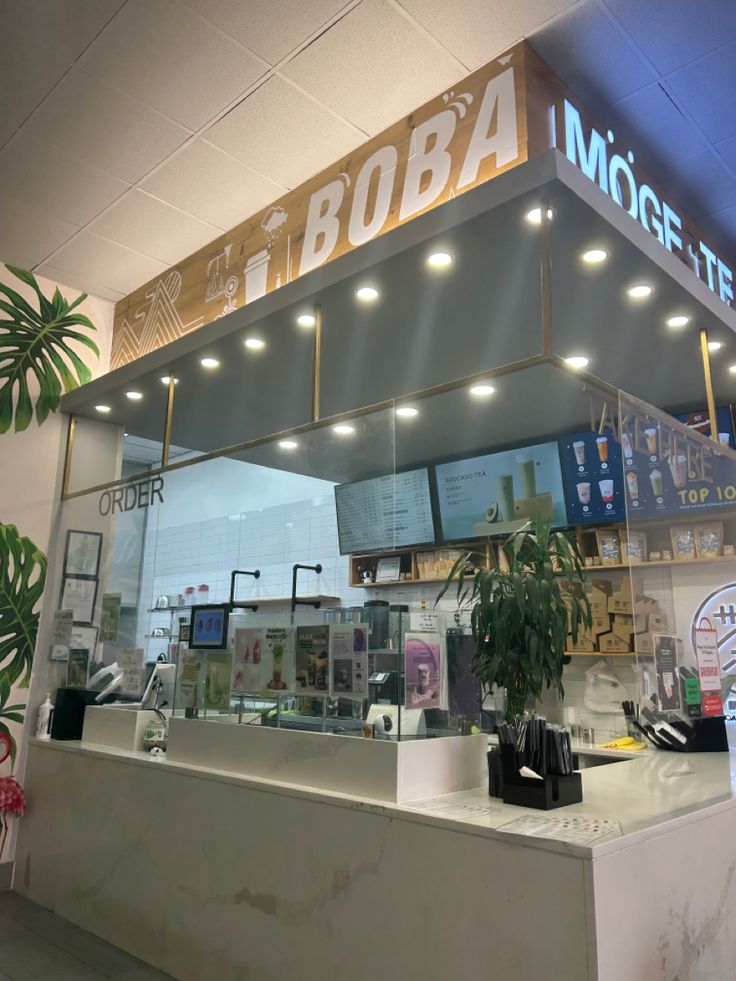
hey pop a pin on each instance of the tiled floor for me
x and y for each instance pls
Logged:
(35, 944)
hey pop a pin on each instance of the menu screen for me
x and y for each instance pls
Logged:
(591, 469)
(385, 513)
(500, 492)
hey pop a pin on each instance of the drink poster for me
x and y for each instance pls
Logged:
(217, 680)
(348, 660)
(249, 644)
(668, 682)
(278, 668)
(77, 668)
(593, 477)
(110, 621)
(706, 654)
(312, 650)
(424, 671)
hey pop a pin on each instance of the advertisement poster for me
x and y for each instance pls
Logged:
(110, 622)
(668, 682)
(132, 662)
(349, 660)
(463, 688)
(312, 655)
(667, 474)
(593, 477)
(249, 643)
(706, 654)
(217, 680)
(489, 495)
(423, 671)
(187, 683)
(278, 668)
(77, 668)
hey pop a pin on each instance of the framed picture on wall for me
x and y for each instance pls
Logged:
(82, 555)
(79, 595)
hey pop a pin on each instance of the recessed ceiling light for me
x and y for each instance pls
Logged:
(134, 396)
(594, 256)
(209, 362)
(306, 320)
(125, 435)
(639, 291)
(104, 409)
(367, 294)
(406, 411)
(577, 361)
(439, 260)
(288, 444)
(677, 321)
(167, 378)
(482, 389)
(343, 429)
(254, 343)
(714, 346)
(534, 217)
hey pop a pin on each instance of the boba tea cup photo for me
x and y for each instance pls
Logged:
(651, 437)
(584, 493)
(626, 446)
(655, 478)
(678, 469)
(632, 483)
(602, 446)
(579, 448)
(606, 489)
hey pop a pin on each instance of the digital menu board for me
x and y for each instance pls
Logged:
(593, 477)
(499, 492)
(388, 512)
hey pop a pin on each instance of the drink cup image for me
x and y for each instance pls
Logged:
(602, 444)
(422, 679)
(656, 480)
(320, 682)
(584, 493)
(626, 445)
(278, 661)
(678, 469)
(579, 447)
(724, 439)
(651, 438)
(606, 489)
(506, 494)
(632, 482)
(525, 462)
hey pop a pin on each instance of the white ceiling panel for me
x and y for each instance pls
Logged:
(28, 71)
(8, 122)
(703, 184)
(106, 128)
(705, 89)
(84, 285)
(283, 134)
(271, 28)
(212, 185)
(27, 234)
(674, 136)
(90, 258)
(675, 32)
(141, 222)
(390, 65)
(164, 54)
(49, 178)
(477, 30)
(65, 26)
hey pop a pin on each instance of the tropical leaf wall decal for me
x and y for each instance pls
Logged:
(36, 343)
(22, 579)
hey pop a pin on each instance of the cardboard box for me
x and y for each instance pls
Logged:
(622, 625)
(613, 644)
(599, 596)
(658, 623)
(601, 624)
(644, 644)
(585, 643)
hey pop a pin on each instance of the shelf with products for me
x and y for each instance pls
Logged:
(674, 542)
(414, 567)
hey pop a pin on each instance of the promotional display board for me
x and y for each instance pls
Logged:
(388, 512)
(497, 493)
(593, 478)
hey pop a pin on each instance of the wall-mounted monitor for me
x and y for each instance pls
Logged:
(497, 493)
(208, 627)
(593, 477)
(385, 513)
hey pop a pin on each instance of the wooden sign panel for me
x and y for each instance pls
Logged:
(462, 138)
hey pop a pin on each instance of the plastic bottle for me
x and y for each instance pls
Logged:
(43, 722)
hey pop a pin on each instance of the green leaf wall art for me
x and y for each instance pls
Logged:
(22, 579)
(35, 343)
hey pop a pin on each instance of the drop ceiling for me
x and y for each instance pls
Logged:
(132, 132)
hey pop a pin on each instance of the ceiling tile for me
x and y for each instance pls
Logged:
(8, 124)
(106, 128)
(271, 28)
(77, 283)
(727, 151)
(167, 56)
(28, 235)
(486, 27)
(283, 134)
(212, 185)
(705, 90)
(65, 26)
(721, 226)
(28, 72)
(61, 185)
(90, 258)
(674, 32)
(589, 50)
(674, 136)
(146, 224)
(701, 184)
(391, 65)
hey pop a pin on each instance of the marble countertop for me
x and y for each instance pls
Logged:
(642, 796)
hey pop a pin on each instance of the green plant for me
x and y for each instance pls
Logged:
(22, 578)
(35, 342)
(521, 618)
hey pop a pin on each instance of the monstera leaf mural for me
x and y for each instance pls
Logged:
(36, 343)
(22, 578)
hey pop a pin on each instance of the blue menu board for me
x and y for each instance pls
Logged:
(593, 477)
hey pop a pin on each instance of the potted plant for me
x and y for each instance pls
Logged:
(521, 617)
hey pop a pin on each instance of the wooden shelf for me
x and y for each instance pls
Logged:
(286, 601)
(599, 654)
(397, 582)
(660, 563)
